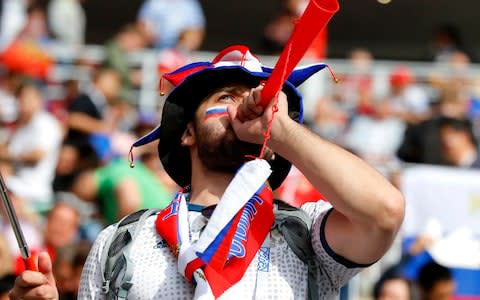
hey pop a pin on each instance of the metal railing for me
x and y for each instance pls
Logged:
(319, 85)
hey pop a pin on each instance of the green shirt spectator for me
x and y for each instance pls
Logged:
(121, 190)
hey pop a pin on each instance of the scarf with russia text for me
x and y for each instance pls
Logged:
(232, 237)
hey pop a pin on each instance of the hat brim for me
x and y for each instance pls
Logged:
(182, 103)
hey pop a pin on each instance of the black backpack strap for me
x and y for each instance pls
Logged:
(116, 256)
(295, 226)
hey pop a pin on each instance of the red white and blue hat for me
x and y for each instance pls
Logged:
(194, 82)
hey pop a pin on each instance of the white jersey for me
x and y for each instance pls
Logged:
(34, 182)
(156, 277)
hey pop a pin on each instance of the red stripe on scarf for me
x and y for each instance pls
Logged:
(223, 272)
(235, 268)
(166, 220)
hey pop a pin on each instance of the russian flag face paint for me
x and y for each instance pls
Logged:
(216, 111)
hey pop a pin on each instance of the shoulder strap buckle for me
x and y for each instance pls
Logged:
(105, 286)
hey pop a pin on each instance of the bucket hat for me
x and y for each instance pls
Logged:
(194, 82)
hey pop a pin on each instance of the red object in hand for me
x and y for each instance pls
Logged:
(317, 14)
(21, 264)
(30, 263)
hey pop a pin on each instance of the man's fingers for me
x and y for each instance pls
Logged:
(31, 285)
(248, 110)
(255, 98)
(30, 279)
(45, 266)
(43, 292)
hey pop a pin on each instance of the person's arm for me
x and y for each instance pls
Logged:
(36, 285)
(30, 158)
(368, 210)
(84, 123)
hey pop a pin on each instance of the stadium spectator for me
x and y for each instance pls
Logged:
(409, 102)
(446, 40)
(13, 18)
(351, 96)
(165, 21)
(435, 282)
(36, 28)
(71, 163)
(392, 285)
(32, 153)
(58, 107)
(66, 19)
(376, 137)
(61, 228)
(278, 31)
(330, 120)
(67, 268)
(459, 147)
(121, 190)
(8, 107)
(375, 223)
(128, 40)
(421, 142)
(92, 114)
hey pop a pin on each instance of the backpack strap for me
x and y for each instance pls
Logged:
(295, 225)
(116, 256)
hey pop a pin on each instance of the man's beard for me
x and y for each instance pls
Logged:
(224, 153)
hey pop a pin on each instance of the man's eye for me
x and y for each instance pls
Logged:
(226, 97)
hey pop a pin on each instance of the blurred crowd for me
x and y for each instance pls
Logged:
(65, 160)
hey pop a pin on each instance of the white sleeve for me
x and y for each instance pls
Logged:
(337, 269)
(91, 279)
(47, 135)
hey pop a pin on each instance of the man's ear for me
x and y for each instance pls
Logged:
(188, 136)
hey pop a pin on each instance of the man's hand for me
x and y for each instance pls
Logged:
(250, 120)
(36, 285)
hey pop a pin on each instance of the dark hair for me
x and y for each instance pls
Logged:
(462, 125)
(432, 273)
(392, 273)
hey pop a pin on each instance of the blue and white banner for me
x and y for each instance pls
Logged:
(444, 204)
(448, 197)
